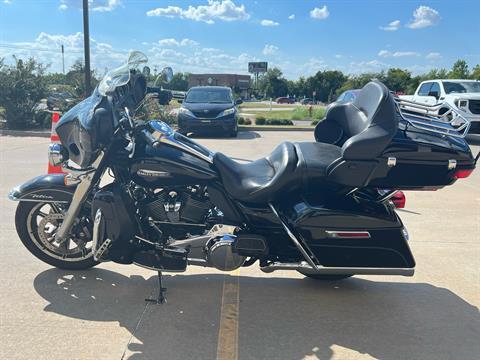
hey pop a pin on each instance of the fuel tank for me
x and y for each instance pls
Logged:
(177, 161)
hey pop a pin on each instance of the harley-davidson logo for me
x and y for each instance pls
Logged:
(40, 196)
(152, 173)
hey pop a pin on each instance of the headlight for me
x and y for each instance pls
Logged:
(185, 111)
(461, 104)
(227, 112)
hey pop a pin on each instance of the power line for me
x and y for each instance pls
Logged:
(18, 47)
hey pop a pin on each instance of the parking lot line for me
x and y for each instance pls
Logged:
(227, 346)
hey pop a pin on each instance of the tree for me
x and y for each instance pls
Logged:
(272, 84)
(459, 70)
(22, 86)
(397, 79)
(179, 82)
(76, 78)
(476, 72)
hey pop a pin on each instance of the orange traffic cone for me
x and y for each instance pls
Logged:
(54, 139)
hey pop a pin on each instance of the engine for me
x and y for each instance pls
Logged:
(189, 205)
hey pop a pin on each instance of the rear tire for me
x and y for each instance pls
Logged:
(326, 277)
(25, 218)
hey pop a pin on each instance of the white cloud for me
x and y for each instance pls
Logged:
(8, 2)
(423, 17)
(393, 26)
(291, 17)
(367, 66)
(225, 10)
(270, 50)
(386, 53)
(338, 56)
(174, 42)
(94, 5)
(319, 14)
(433, 56)
(266, 22)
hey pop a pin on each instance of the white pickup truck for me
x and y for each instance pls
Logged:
(462, 95)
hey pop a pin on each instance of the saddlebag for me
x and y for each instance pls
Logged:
(349, 233)
(118, 222)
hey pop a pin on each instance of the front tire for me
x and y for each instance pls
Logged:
(36, 224)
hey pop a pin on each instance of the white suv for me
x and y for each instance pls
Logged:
(463, 95)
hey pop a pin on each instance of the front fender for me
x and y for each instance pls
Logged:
(44, 188)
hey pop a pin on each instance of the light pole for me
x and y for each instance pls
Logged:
(86, 47)
(63, 60)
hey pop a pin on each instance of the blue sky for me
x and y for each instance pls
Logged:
(300, 37)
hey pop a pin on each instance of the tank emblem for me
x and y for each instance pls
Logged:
(152, 173)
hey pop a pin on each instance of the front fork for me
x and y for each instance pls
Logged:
(86, 179)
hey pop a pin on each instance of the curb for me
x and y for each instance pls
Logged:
(274, 128)
(26, 133)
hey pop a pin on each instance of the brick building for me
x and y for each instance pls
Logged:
(238, 83)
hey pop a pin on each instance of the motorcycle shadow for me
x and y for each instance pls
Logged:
(279, 318)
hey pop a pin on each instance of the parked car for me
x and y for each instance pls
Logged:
(348, 96)
(284, 100)
(462, 95)
(60, 100)
(306, 101)
(208, 109)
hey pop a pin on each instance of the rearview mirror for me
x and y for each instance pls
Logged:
(167, 74)
(434, 94)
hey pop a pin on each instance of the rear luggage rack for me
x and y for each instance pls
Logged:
(426, 117)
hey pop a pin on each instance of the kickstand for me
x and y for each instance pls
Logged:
(161, 291)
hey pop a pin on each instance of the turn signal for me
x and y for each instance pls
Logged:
(462, 173)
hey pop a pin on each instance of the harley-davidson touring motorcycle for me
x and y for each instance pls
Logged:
(137, 192)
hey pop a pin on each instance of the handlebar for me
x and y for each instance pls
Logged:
(149, 138)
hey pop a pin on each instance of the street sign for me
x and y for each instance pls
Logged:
(257, 67)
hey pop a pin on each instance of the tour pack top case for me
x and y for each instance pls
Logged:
(379, 141)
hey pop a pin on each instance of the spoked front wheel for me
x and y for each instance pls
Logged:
(37, 225)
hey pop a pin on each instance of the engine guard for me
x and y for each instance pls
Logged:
(44, 188)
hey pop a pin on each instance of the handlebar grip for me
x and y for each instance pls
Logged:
(150, 139)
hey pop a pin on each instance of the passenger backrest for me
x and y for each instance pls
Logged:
(370, 122)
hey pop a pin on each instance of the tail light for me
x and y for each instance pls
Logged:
(399, 200)
(462, 173)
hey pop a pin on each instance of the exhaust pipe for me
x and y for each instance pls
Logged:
(303, 267)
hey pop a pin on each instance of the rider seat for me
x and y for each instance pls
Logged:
(365, 128)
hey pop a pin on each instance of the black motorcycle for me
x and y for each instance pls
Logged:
(141, 193)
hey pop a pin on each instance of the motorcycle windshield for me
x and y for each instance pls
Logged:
(121, 75)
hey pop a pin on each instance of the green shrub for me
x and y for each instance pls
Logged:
(260, 120)
(302, 113)
(241, 121)
(247, 122)
(279, 122)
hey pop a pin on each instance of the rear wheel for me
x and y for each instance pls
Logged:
(37, 225)
(326, 277)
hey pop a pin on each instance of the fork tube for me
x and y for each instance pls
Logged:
(83, 188)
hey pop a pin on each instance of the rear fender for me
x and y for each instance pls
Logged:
(44, 188)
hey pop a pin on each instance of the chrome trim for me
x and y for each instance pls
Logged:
(391, 161)
(426, 117)
(452, 164)
(320, 270)
(56, 154)
(297, 243)
(337, 234)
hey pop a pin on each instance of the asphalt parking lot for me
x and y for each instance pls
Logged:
(48, 313)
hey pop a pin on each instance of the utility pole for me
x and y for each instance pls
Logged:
(86, 47)
(63, 60)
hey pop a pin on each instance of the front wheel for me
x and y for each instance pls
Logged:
(326, 277)
(37, 225)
